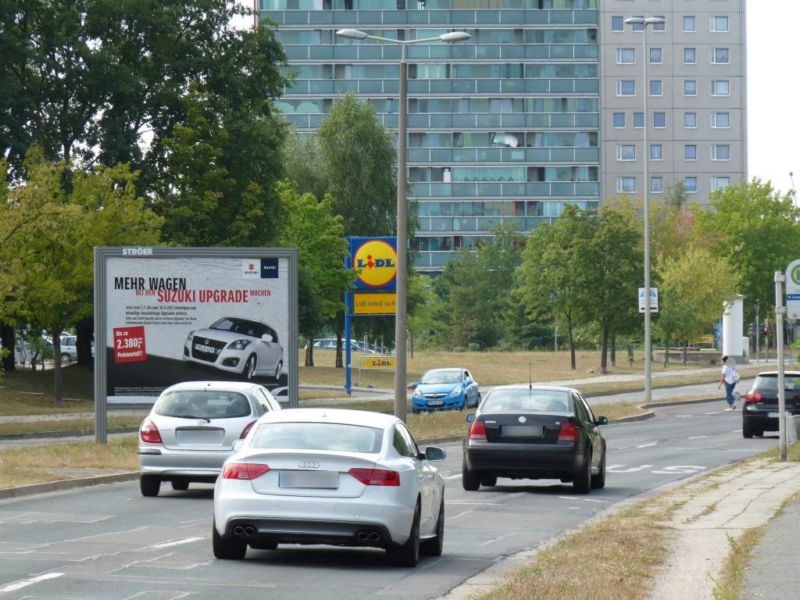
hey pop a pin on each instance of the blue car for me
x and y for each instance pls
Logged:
(445, 389)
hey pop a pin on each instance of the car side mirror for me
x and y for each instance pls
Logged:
(237, 445)
(601, 421)
(433, 453)
(470, 417)
(414, 385)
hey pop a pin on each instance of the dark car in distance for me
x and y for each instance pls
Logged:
(534, 432)
(760, 410)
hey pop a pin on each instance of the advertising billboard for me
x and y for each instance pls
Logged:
(166, 315)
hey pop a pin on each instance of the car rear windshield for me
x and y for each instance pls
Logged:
(527, 401)
(198, 404)
(769, 383)
(318, 436)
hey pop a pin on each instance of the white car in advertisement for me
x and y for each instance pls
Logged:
(242, 346)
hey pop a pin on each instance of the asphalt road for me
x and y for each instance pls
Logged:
(108, 542)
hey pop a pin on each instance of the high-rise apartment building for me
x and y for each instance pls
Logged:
(537, 111)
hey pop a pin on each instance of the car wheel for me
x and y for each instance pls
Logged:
(599, 480)
(758, 433)
(434, 546)
(64, 357)
(489, 480)
(583, 478)
(415, 411)
(747, 431)
(149, 485)
(227, 548)
(250, 367)
(278, 369)
(180, 486)
(470, 480)
(407, 555)
(477, 401)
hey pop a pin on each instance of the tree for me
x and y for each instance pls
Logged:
(311, 226)
(693, 287)
(474, 293)
(548, 280)
(48, 256)
(756, 231)
(358, 163)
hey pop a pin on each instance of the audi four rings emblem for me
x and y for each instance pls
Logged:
(308, 464)
(522, 419)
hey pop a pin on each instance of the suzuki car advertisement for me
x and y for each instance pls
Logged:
(169, 315)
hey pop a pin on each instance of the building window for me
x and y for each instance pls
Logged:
(659, 120)
(689, 87)
(689, 120)
(638, 120)
(626, 56)
(720, 152)
(688, 23)
(626, 152)
(619, 120)
(720, 183)
(689, 56)
(660, 26)
(656, 185)
(690, 152)
(626, 185)
(720, 56)
(719, 23)
(656, 87)
(626, 87)
(617, 23)
(720, 120)
(720, 87)
(637, 26)
(656, 152)
(655, 56)
(690, 183)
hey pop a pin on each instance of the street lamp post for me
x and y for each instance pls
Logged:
(401, 282)
(648, 340)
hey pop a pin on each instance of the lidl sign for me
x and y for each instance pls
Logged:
(375, 263)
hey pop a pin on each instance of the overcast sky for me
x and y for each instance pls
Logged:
(773, 39)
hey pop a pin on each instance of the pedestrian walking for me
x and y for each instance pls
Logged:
(729, 379)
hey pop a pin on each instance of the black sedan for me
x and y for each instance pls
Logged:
(760, 410)
(534, 432)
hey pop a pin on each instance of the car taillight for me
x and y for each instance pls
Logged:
(568, 432)
(376, 476)
(149, 433)
(244, 471)
(477, 431)
(246, 430)
(752, 397)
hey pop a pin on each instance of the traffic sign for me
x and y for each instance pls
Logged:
(793, 290)
(653, 300)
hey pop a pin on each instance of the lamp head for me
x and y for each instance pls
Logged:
(455, 36)
(355, 34)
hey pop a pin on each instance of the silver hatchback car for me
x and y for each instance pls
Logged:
(191, 429)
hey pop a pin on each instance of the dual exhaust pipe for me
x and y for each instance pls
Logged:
(368, 537)
(244, 531)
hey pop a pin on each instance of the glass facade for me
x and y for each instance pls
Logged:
(502, 129)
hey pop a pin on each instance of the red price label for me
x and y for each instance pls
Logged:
(129, 344)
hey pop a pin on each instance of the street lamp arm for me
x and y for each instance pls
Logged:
(450, 38)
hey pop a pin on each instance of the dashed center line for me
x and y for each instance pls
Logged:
(190, 540)
(18, 585)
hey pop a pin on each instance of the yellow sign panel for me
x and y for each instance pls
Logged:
(377, 362)
(375, 263)
(374, 303)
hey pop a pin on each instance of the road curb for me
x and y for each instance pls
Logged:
(65, 484)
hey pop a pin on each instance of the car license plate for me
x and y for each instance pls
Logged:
(773, 415)
(204, 348)
(522, 430)
(435, 402)
(200, 437)
(326, 480)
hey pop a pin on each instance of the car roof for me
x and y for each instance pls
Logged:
(230, 386)
(445, 369)
(534, 387)
(775, 373)
(330, 415)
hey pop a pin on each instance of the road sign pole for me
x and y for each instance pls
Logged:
(779, 310)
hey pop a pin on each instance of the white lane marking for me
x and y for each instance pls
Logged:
(647, 445)
(497, 539)
(190, 540)
(679, 470)
(620, 469)
(18, 585)
(473, 503)
(581, 499)
(454, 476)
(697, 437)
